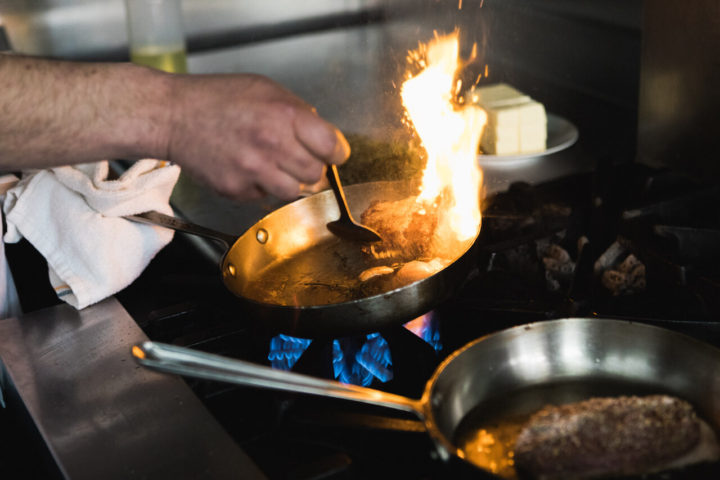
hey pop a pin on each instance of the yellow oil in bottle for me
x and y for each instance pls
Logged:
(168, 59)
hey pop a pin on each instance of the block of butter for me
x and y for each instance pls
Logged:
(516, 123)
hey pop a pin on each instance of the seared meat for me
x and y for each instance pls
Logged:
(418, 240)
(603, 437)
(406, 226)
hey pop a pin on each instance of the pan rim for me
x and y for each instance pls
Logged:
(352, 316)
(446, 446)
(471, 246)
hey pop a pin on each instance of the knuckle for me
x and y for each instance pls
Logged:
(267, 138)
(250, 165)
(287, 109)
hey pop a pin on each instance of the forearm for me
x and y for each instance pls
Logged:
(243, 135)
(58, 113)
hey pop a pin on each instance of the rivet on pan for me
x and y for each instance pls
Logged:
(231, 269)
(262, 235)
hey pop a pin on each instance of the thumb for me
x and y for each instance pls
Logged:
(321, 138)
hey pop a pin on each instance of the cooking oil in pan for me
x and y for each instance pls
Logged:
(324, 274)
(168, 59)
(330, 273)
(492, 445)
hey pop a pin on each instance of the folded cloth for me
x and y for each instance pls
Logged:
(72, 216)
(9, 300)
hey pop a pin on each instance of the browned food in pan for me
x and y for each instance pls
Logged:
(406, 226)
(416, 242)
(614, 436)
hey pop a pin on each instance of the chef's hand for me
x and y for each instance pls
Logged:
(245, 136)
(242, 135)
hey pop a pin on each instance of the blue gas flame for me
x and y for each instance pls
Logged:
(356, 360)
(286, 350)
(361, 365)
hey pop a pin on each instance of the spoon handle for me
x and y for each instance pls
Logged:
(334, 179)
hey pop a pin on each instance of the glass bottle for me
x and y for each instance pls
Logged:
(156, 35)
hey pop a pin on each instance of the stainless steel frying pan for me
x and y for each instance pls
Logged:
(296, 277)
(556, 361)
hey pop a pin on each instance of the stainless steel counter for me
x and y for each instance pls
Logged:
(100, 414)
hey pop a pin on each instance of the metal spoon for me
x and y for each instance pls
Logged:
(346, 227)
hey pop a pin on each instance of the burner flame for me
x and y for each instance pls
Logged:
(426, 327)
(356, 360)
(361, 366)
(285, 351)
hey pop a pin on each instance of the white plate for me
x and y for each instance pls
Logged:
(561, 134)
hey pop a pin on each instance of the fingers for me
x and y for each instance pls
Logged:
(279, 184)
(280, 164)
(272, 142)
(300, 160)
(320, 138)
(303, 166)
(310, 189)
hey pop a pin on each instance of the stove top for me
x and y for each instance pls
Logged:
(631, 243)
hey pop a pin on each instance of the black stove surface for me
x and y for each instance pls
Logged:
(629, 243)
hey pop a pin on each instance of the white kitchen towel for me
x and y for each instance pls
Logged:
(72, 216)
(9, 301)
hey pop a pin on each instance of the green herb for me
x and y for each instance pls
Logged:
(375, 160)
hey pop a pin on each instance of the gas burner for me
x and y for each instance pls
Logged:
(358, 360)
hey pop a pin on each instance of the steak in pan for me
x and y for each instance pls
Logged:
(614, 436)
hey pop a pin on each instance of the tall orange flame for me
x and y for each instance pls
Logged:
(450, 134)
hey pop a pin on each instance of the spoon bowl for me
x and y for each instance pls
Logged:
(346, 227)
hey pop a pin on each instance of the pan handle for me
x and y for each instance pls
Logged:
(192, 363)
(161, 220)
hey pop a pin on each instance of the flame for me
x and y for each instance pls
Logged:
(450, 133)
(425, 327)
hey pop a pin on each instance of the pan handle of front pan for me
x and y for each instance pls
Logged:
(192, 363)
